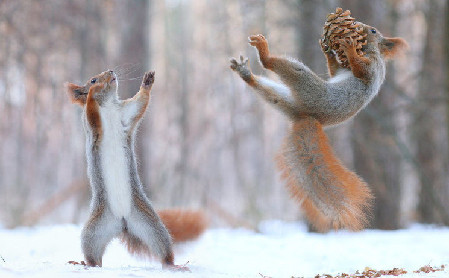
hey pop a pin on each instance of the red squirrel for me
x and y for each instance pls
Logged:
(119, 205)
(331, 195)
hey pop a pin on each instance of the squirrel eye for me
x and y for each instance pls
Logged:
(93, 80)
(373, 31)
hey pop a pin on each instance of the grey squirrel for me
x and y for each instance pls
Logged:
(119, 206)
(331, 195)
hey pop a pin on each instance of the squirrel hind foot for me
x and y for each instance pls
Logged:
(177, 268)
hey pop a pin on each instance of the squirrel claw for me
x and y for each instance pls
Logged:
(236, 65)
(241, 66)
(257, 40)
(148, 79)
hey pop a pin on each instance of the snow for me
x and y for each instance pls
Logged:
(281, 249)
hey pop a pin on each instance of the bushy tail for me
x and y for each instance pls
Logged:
(331, 195)
(183, 225)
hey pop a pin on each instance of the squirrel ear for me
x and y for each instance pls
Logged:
(391, 47)
(76, 93)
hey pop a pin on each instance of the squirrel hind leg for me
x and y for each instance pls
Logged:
(147, 236)
(134, 245)
(147, 230)
(97, 234)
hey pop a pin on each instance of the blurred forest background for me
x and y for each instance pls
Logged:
(208, 141)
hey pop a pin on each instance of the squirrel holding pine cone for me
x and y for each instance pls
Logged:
(331, 195)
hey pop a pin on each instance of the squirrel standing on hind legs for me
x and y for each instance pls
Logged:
(119, 206)
(330, 195)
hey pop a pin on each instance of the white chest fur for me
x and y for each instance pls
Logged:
(114, 162)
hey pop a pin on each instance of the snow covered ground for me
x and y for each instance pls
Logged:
(280, 250)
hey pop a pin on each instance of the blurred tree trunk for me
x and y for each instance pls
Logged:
(309, 28)
(446, 52)
(430, 153)
(184, 34)
(250, 143)
(376, 158)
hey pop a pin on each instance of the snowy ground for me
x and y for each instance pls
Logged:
(281, 250)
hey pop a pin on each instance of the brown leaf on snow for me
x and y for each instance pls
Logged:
(77, 263)
(371, 273)
(429, 269)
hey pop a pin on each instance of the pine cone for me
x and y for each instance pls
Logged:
(340, 25)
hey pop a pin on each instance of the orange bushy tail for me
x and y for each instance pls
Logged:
(331, 195)
(183, 225)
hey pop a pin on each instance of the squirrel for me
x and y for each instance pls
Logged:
(331, 195)
(119, 205)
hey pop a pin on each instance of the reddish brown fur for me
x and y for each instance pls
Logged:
(78, 94)
(268, 60)
(143, 207)
(332, 64)
(183, 225)
(261, 44)
(251, 82)
(391, 47)
(345, 196)
(134, 245)
(74, 92)
(93, 113)
(359, 65)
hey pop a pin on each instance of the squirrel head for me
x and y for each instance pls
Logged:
(104, 87)
(388, 48)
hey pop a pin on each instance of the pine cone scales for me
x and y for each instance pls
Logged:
(340, 25)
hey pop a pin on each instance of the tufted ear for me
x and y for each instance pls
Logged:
(391, 47)
(77, 94)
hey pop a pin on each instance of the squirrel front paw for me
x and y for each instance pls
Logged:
(261, 43)
(148, 79)
(258, 41)
(242, 67)
(348, 44)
